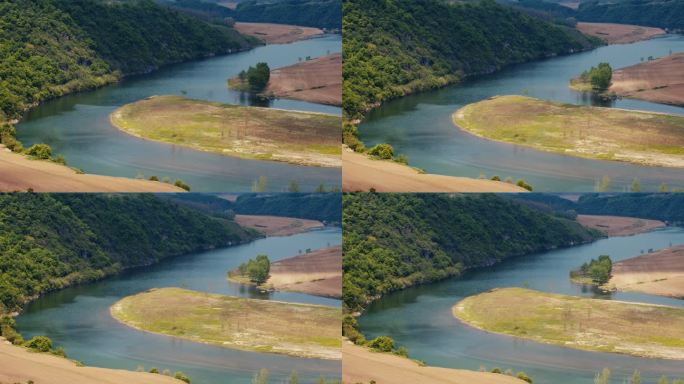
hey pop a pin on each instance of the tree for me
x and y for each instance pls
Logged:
(257, 269)
(382, 151)
(258, 77)
(181, 184)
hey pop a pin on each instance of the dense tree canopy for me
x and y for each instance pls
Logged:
(310, 13)
(667, 14)
(50, 241)
(393, 241)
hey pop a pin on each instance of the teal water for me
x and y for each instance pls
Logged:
(420, 318)
(420, 126)
(77, 126)
(78, 318)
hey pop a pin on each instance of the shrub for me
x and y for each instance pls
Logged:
(523, 376)
(154, 370)
(181, 184)
(182, 376)
(41, 151)
(154, 178)
(521, 183)
(382, 151)
(496, 370)
(40, 344)
(382, 344)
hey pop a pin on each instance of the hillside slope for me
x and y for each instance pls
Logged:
(668, 14)
(409, 239)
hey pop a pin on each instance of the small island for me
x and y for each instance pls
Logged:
(302, 330)
(303, 138)
(596, 272)
(636, 329)
(644, 138)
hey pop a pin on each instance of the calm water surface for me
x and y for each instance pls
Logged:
(77, 126)
(78, 318)
(420, 126)
(420, 318)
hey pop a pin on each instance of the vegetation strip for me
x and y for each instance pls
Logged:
(302, 138)
(643, 138)
(302, 330)
(635, 329)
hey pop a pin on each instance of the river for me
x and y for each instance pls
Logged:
(77, 126)
(420, 125)
(78, 319)
(420, 318)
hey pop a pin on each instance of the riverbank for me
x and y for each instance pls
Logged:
(362, 365)
(277, 33)
(660, 80)
(301, 138)
(317, 273)
(657, 273)
(317, 81)
(277, 225)
(636, 329)
(19, 365)
(619, 33)
(19, 173)
(267, 326)
(361, 173)
(619, 225)
(643, 138)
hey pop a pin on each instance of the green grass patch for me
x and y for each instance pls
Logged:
(302, 330)
(589, 324)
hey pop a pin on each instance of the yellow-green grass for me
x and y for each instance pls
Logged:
(580, 85)
(301, 330)
(304, 138)
(590, 324)
(591, 132)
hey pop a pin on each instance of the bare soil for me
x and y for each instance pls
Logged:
(276, 225)
(659, 81)
(317, 81)
(360, 173)
(277, 33)
(19, 173)
(619, 33)
(316, 273)
(18, 365)
(360, 365)
(658, 273)
(619, 226)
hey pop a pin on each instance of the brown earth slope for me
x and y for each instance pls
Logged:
(317, 273)
(18, 365)
(317, 81)
(658, 273)
(19, 173)
(360, 365)
(619, 33)
(276, 225)
(360, 173)
(659, 81)
(619, 226)
(277, 33)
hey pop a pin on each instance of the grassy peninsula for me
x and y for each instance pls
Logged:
(247, 132)
(591, 132)
(596, 325)
(254, 325)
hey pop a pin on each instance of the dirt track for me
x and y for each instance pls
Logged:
(276, 225)
(316, 273)
(659, 81)
(18, 173)
(360, 173)
(360, 365)
(277, 33)
(619, 33)
(619, 226)
(19, 366)
(658, 273)
(317, 81)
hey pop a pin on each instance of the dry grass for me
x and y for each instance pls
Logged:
(659, 81)
(277, 33)
(316, 273)
(591, 132)
(301, 330)
(589, 324)
(618, 225)
(619, 33)
(658, 273)
(277, 225)
(317, 81)
(249, 132)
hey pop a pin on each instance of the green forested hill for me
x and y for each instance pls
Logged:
(657, 206)
(395, 47)
(52, 47)
(309, 13)
(667, 14)
(50, 241)
(393, 241)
